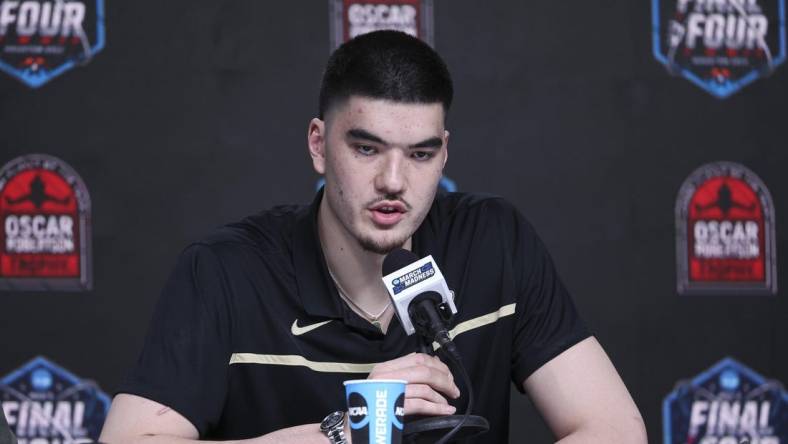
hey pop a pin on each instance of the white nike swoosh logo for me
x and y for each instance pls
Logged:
(298, 331)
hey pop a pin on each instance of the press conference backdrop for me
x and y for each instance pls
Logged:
(193, 114)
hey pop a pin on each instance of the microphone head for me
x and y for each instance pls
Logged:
(397, 259)
(406, 277)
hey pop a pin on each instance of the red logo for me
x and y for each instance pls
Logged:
(351, 18)
(44, 208)
(726, 240)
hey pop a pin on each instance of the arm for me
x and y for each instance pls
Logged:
(583, 400)
(134, 419)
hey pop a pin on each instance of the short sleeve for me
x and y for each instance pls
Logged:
(547, 322)
(184, 362)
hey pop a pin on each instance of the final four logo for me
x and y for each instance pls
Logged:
(41, 39)
(727, 404)
(725, 236)
(46, 404)
(719, 45)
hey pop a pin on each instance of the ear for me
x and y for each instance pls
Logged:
(445, 147)
(317, 144)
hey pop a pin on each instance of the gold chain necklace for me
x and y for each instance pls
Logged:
(373, 319)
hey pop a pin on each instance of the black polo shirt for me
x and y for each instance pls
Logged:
(250, 336)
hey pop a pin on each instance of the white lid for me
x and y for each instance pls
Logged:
(375, 381)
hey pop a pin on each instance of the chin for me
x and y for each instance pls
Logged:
(381, 246)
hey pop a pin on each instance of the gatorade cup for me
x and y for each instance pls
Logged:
(375, 410)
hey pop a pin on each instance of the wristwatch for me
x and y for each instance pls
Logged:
(333, 426)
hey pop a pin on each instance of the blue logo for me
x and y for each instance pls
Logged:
(727, 403)
(41, 379)
(41, 39)
(722, 45)
(376, 410)
(43, 402)
(729, 380)
(412, 278)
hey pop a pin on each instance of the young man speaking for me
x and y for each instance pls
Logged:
(261, 321)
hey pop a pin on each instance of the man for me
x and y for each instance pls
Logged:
(262, 321)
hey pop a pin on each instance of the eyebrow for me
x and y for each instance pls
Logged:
(357, 133)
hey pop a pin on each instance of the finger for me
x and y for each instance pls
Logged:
(438, 380)
(411, 360)
(424, 392)
(416, 406)
(408, 360)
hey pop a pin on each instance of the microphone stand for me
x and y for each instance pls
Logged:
(428, 315)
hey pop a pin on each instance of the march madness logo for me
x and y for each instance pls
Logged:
(41, 39)
(45, 236)
(727, 404)
(412, 278)
(719, 45)
(351, 18)
(44, 403)
(725, 239)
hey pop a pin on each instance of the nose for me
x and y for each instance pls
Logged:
(390, 178)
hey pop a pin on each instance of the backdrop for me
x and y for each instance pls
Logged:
(195, 114)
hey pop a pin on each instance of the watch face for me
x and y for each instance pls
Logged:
(332, 420)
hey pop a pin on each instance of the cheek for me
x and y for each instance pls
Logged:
(343, 194)
(430, 179)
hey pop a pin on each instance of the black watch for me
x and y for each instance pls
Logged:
(333, 426)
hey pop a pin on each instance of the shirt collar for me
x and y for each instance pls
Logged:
(316, 290)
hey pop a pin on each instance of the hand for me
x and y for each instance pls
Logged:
(427, 378)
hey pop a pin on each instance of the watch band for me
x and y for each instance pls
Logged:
(333, 426)
(337, 437)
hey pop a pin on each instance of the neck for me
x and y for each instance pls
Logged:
(357, 270)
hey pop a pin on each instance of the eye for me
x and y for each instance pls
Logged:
(365, 150)
(422, 155)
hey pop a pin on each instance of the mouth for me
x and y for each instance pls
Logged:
(387, 213)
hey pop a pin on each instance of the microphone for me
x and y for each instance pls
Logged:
(424, 303)
(421, 298)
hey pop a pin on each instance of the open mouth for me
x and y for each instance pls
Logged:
(386, 213)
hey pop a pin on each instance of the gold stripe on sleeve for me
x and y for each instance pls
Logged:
(296, 360)
(481, 321)
(349, 367)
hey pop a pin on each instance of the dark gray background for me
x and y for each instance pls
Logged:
(195, 114)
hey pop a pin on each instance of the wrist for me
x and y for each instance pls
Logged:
(348, 438)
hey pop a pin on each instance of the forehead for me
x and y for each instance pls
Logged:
(390, 120)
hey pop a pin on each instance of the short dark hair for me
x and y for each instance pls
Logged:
(387, 65)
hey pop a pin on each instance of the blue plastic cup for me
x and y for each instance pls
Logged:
(376, 408)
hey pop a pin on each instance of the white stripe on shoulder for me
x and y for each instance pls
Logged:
(481, 321)
(296, 360)
(349, 367)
